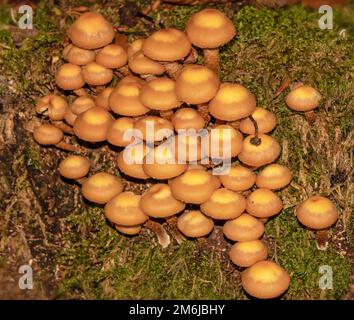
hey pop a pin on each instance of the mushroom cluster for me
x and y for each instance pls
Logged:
(161, 94)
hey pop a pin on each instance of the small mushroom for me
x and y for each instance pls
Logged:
(274, 177)
(265, 280)
(154, 128)
(115, 134)
(70, 117)
(74, 167)
(265, 119)
(194, 224)
(82, 104)
(102, 99)
(318, 213)
(53, 106)
(247, 253)
(263, 203)
(224, 204)
(96, 75)
(78, 56)
(69, 77)
(232, 102)
(145, 67)
(112, 56)
(187, 118)
(101, 187)
(188, 147)
(129, 231)
(243, 228)
(210, 29)
(135, 46)
(238, 178)
(158, 202)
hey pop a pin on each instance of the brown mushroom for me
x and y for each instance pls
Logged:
(112, 56)
(78, 56)
(265, 119)
(74, 167)
(247, 253)
(187, 118)
(154, 128)
(194, 224)
(53, 106)
(263, 203)
(102, 99)
(238, 178)
(96, 75)
(129, 231)
(142, 65)
(115, 134)
(82, 104)
(274, 177)
(69, 77)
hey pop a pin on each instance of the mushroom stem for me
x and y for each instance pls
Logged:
(81, 180)
(80, 92)
(125, 71)
(211, 60)
(166, 114)
(160, 232)
(172, 69)
(63, 127)
(256, 141)
(310, 116)
(204, 111)
(321, 239)
(192, 57)
(68, 147)
(176, 234)
(264, 220)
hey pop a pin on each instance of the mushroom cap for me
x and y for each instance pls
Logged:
(167, 45)
(224, 204)
(154, 128)
(267, 152)
(54, 105)
(274, 177)
(91, 31)
(124, 99)
(93, 124)
(74, 167)
(132, 79)
(112, 56)
(129, 231)
(135, 46)
(317, 213)
(69, 77)
(303, 98)
(134, 166)
(159, 94)
(188, 147)
(224, 142)
(124, 210)
(102, 100)
(263, 203)
(158, 202)
(194, 224)
(239, 178)
(243, 228)
(47, 134)
(101, 187)
(140, 64)
(232, 102)
(82, 104)
(210, 28)
(265, 280)
(196, 84)
(187, 118)
(78, 56)
(160, 163)
(265, 119)
(96, 75)
(247, 253)
(115, 134)
(70, 117)
(194, 186)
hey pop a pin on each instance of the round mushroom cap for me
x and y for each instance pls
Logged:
(159, 94)
(238, 178)
(194, 186)
(124, 100)
(194, 224)
(70, 117)
(96, 75)
(188, 147)
(47, 134)
(167, 45)
(124, 210)
(225, 142)
(243, 228)
(115, 134)
(317, 213)
(69, 77)
(102, 100)
(160, 163)
(303, 98)
(140, 64)
(78, 56)
(258, 155)
(130, 160)
(135, 46)
(196, 84)
(263, 203)
(265, 119)
(154, 128)
(82, 104)
(55, 106)
(129, 231)
(274, 177)
(265, 280)
(132, 79)
(187, 118)
(247, 253)
(158, 202)
(210, 28)
(93, 124)
(232, 102)
(112, 56)
(224, 204)
(74, 167)
(91, 31)
(101, 187)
